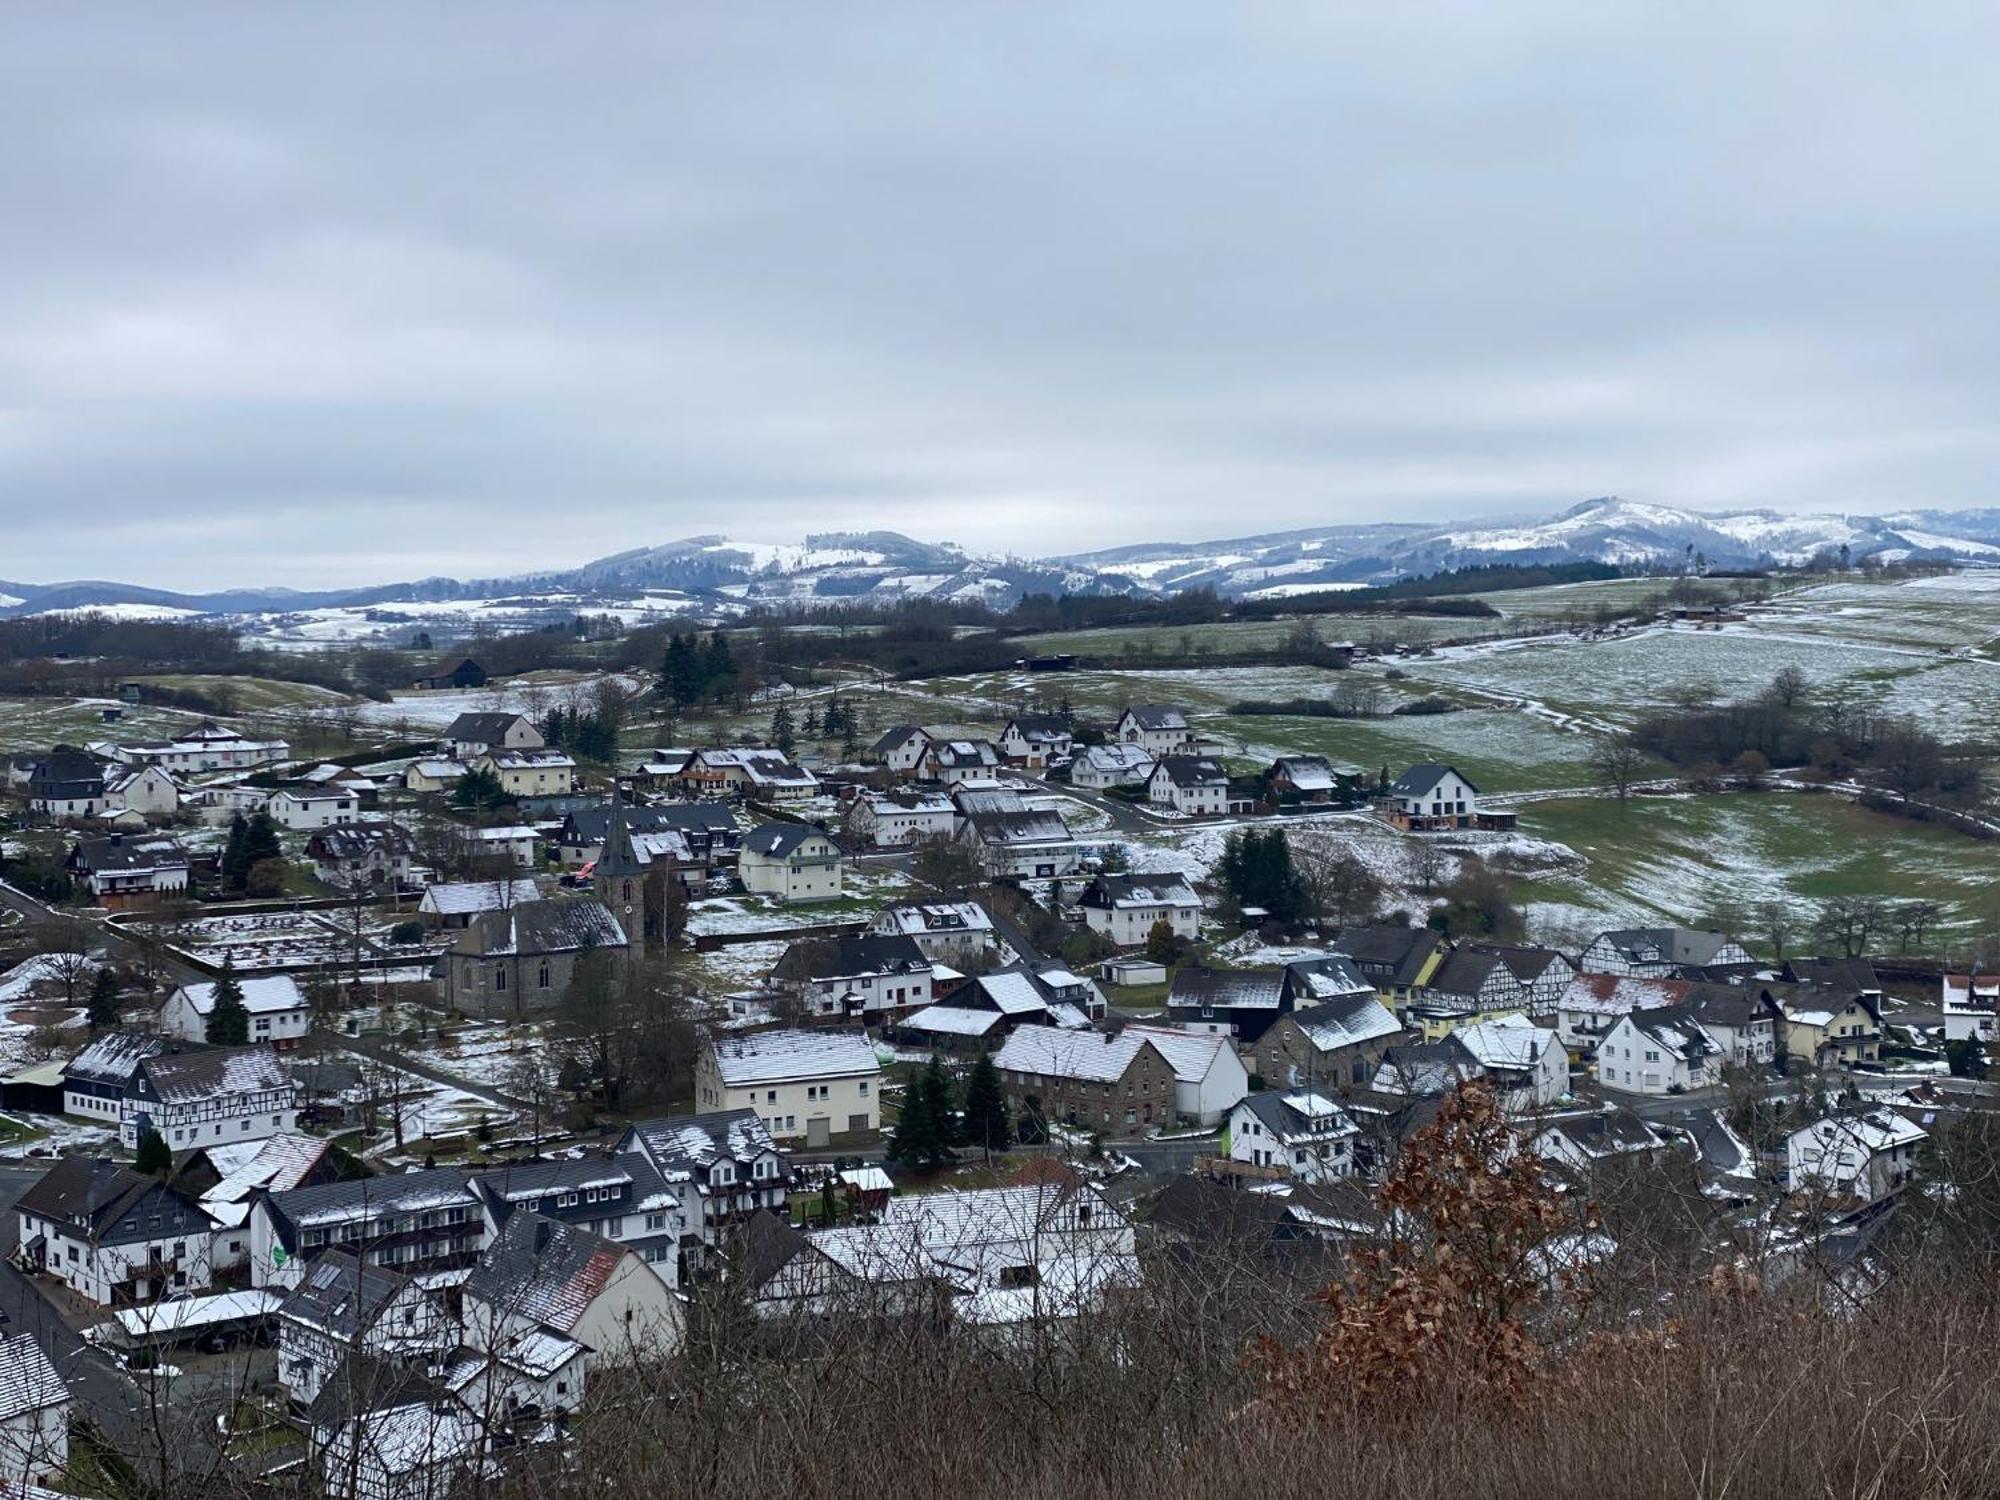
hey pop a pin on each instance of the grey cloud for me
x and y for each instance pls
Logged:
(318, 295)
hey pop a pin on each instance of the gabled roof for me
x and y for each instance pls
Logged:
(1615, 994)
(335, 1203)
(1191, 770)
(933, 917)
(897, 737)
(481, 728)
(1525, 964)
(113, 1058)
(1329, 977)
(1115, 892)
(850, 957)
(341, 1296)
(1675, 1029)
(28, 1380)
(1686, 947)
(958, 753)
(118, 852)
(358, 840)
(1309, 773)
(1875, 1129)
(680, 1144)
(1155, 716)
(1227, 989)
(215, 1072)
(65, 765)
(1038, 727)
(780, 840)
(1191, 1054)
(1418, 780)
(1088, 1055)
(1857, 974)
(763, 1057)
(1033, 826)
(1292, 1115)
(536, 927)
(111, 1203)
(1511, 1044)
(1400, 953)
(1346, 1021)
(463, 898)
(263, 995)
(1609, 1132)
(1463, 974)
(1112, 759)
(544, 1270)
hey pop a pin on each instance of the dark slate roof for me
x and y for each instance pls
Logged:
(1856, 974)
(113, 1203)
(1607, 1132)
(341, 1296)
(1109, 891)
(899, 736)
(1157, 716)
(535, 1186)
(190, 1077)
(1033, 826)
(540, 1268)
(1400, 952)
(779, 839)
(1203, 1209)
(762, 1246)
(588, 825)
(483, 729)
(1038, 726)
(122, 852)
(1325, 983)
(361, 1383)
(1191, 770)
(690, 1142)
(113, 1058)
(544, 927)
(65, 766)
(368, 1197)
(1525, 964)
(355, 840)
(1689, 946)
(838, 958)
(1227, 989)
(692, 817)
(1461, 974)
(1728, 1004)
(1420, 778)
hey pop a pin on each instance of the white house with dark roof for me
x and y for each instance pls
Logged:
(1124, 908)
(1584, 1141)
(901, 815)
(723, 1165)
(1034, 740)
(529, 773)
(869, 976)
(1592, 1004)
(113, 1235)
(901, 748)
(95, 1080)
(1302, 778)
(947, 932)
(1034, 843)
(1099, 767)
(1525, 1061)
(207, 747)
(949, 762)
(1660, 952)
(416, 1222)
(1157, 728)
(621, 1198)
(1430, 796)
(124, 869)
(1243, 1003)
(987, 1011)
(805, 1084)
(207, 1096)
(279, 1011)
(1971, 1008)
(147, 789)
(791, 862)
(1659, 1050)
(1193, 784)
(472, 735)
(1299, 1135)
(34, 1416)
(1866, 1153)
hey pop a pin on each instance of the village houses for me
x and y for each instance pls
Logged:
(806, 1085)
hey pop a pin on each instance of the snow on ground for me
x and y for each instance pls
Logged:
(490, 1054)
(126, 610)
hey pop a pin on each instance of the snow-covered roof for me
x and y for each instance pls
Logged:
(941, 916)
(1347, 1022)
(1094, 1056)
(28, 1380)
(262, 996)
(1012, 993)
(953, 1020)
(463, 898)
(791, 1056)
(1508, 1043)
(1191, 1053)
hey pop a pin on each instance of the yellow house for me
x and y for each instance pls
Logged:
(530, 773)
(1832, 1028)
(1398, 961)
(433, 775)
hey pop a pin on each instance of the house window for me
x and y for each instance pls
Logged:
(542, 975)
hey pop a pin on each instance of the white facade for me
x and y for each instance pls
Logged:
(208, 748)
(809, 1084)
(1866, 1155)
(302, 810)
(1450, 796)
(1133, 908)
(34, 1415)
(1209, 1078)
(515, 843)
(1972, 1008)
(278, 1010)
(1305, 1136)
(1156, 729)
(1098, 767)
(1202, 787)
(887, 820)
(810, 870)
(1637, 1059)
(145, 789)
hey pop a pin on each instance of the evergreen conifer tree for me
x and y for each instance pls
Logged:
(229, 1018)
(987, 1124)
(103, 1000)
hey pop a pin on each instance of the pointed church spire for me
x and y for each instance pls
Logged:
(619, 857)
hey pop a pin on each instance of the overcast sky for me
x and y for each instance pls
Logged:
(328, 294)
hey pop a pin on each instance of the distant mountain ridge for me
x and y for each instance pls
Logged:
(882, 565)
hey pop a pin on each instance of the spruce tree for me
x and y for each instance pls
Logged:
(781, 728)
(914, 1143)
(235, 854)
(229, 1018)
(947, 1126)
(103, 1010)
(153, 1158)
(261, 841)
(986, 1121)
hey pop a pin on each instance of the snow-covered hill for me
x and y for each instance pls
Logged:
(717, 576)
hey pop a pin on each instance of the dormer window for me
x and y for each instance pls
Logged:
(724, 1173)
